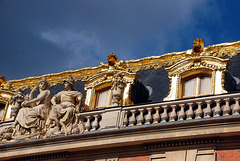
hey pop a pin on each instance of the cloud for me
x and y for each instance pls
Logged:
(131, 30)
(75, 34)
(83, 48)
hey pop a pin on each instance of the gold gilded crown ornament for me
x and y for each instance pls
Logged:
(198, 45)
(112, 59)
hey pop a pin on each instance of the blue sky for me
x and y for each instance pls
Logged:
(50, 36)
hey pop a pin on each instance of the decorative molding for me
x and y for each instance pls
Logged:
(192, 64)
(44, 157)
(182, 143)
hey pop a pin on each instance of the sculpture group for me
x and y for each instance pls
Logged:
(43, 116)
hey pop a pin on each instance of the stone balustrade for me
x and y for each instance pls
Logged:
(182, 110)
(90, 120)
(160, 113)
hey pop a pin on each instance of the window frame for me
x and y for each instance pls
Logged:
(98, 90)
(2, 118)
(198, 75)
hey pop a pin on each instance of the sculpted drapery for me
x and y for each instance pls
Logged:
(33, 114)
(49, 117)
(62, 116)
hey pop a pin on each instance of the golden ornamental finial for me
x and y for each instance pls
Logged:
(198, 45)
(112, 59)
(2, 80)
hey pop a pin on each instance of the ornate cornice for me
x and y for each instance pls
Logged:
(156, 62)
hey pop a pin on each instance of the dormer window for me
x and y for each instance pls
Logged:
(111, 86)
(196, 74)
(197, 86)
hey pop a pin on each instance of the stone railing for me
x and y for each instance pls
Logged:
(91, 120)
(164, 112)
(180, 110)
(192, 109)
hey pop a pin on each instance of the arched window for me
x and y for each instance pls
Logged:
(197, 86)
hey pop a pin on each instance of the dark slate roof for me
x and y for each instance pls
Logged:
(234, 72)
(157, 84)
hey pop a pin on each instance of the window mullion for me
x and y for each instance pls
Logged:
(109, 97)
(198, 86)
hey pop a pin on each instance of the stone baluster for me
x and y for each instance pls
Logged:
(199, 111)
(236, 107)
(217, 109)
(190, 111)
(226, 107)
(81, 125)
(181, 114)
(125, 119)
(149, 116)
(208, 110)
(156, 116)
(164, 114)
(88, 124)
(173, 114)
(95, 123)
(132, 119)
(140, 118)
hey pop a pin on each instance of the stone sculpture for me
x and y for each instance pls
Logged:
(6, 134)
(32, 116)
(63, 116)
(16, 101)
(117, 88)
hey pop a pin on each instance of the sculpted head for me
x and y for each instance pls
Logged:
(69, 82)
(42, 84)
